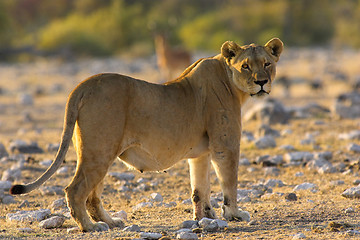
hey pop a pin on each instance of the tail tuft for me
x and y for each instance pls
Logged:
(17, 189)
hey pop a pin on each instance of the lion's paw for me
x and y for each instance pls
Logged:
(237, 215)
(117, 223)
(98, 227)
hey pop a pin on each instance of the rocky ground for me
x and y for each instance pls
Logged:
(299, 167)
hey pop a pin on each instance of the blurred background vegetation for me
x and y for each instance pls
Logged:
(107, 27)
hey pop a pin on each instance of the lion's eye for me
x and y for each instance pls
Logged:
(267, 64)
(245, 66)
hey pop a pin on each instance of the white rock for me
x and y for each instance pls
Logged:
(353, 192)
(62, 170)
(51, 190)
(122, 176)
(148, 235)
(355, 134)
(156, 197)
(53, 222)
(3, 152)
(274, 183)
(46, 163)
(25, 99)
(244, 162)
(221, 223)
(142, 205)
(349, 210)
(352, 233)
(5, 185)
(265, 142)
(299, 236)
(11, 175)
(132, 228)
(205, 221)
(187, 236)
(58, 204)
(121, 214)
(25, 230)
(188, 224)
(8, 199)
(28, 216)
(305, 186)
(297, 156)
(354, 148)
(73, 230)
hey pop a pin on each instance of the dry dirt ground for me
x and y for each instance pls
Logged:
(314, 213)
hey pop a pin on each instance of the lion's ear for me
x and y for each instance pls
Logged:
(275, 46)
(229, 50)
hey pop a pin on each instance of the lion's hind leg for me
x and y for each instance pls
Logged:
(200, 185)
(82, 190)
(97, 211)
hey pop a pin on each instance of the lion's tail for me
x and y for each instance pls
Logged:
(70, 118)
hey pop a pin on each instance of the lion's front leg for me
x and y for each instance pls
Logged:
(226, 167)
(200, 186)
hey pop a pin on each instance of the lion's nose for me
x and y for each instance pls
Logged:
(261, 83)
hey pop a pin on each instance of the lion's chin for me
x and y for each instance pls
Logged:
(260, 93)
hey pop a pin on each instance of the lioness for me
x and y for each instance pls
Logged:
(151, 127)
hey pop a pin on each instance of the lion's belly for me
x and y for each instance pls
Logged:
(157, 158)
(143, 160)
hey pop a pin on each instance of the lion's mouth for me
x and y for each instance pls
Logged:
(259, 93)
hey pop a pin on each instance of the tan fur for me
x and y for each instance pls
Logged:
(151, 127)
(171, 61)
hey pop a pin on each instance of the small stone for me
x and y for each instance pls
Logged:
(187, 236)
(25, 230)
(274, 183)
(25, 99)
(221, 223)
(3, 152)
(353, 192)
(297, 156)
(132, 228)
(5, 185)
(148, 235)
(287, 147)
(122, 176)
(187, 202)
(355, 134)
(156, 197)
(305, 186)
(62, 170)
(356, 182)
(211, 227)
(28, 216)
(291, 197)
(349, 210)
(21, 146)
(272, 171)
(53, 222)
(299, 236)
(59, 204)
(265, 142)
(51, 190)
(244, 162)
(204, 222)
(142, 205)
(121, 214)
(12, 174)
(337, 182)
(188, 224)
(46, 163)
(352, 233)
(299, 174)
(73, 230)
(8, 199)
(354, 148)
(53, 147)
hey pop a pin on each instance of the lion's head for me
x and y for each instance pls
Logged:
(253, 67)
